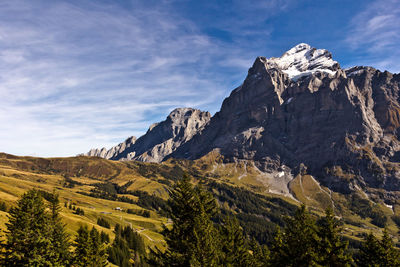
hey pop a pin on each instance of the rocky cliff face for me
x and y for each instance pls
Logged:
(161, 139)
(112, 152)
(303, 109)
(300, 112)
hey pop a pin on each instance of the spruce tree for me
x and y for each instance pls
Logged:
(235, 250)
(260, 255)
(119, 253)
(89, 251)
(28, 242)
(331, 249)
(376, 252)
(390, 256)
(3, 206)
(192, 240)
(297, 246)
(204, 250)
(105, 238)
(279, 252)
(60, 245)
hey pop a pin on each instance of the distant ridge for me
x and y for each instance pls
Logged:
(160, 140)
(299, 112)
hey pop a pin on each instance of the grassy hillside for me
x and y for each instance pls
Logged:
(140, 190)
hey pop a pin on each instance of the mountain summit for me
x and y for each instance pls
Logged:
(303, 60)
(302, 113)
(161, 138)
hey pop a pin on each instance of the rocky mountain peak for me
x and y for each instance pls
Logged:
(112, 152)
(304, 60)
(302, 108)
(161, 139)
(297, 109)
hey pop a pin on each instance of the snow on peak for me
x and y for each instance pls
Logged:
(303, 60)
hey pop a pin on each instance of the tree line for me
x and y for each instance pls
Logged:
(36, 236)
(194, 240)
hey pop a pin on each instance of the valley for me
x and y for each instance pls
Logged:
(123, 192)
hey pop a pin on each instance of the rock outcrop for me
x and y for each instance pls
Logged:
(299, 111)
(303, 108)
(112, 152)
(161, 139)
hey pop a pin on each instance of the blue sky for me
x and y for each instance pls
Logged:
(81, 74)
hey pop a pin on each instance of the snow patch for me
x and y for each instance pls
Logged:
(304, 60)
(355, 72)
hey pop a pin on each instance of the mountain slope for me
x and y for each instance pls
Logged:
(304, 112)
(99, 186)
(299, 113)
(160, 140)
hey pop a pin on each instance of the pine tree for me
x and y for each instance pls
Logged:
(82, 244)
(119, 252)
(297, 246)
(235, 251)
(3, 206)
(376, 252)
(105, 238)
(192, 240)
(390, 256)
(260, 255)
(204, 250)
(90, 251)
(331, 249)
(279, 249)
(98, 250)
(59, 237)
(27, 237)
(134, 240)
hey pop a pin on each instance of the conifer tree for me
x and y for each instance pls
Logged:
(89, 251)
(60, 245)
(105, 238)
(260, 255)
(376, 252)
(192, 240)
(204, 250)
(297, 246)
(119, 253)
(3, 206)
(27, 237)
(279, 252)
(331, 249)
(390, 256)
(235, 250)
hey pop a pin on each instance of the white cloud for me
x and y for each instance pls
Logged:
(375, 30)
(76, 75)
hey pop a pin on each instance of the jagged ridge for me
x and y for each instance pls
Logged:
(303, 112)
(161, 139)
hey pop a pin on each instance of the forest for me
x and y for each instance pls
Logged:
(201, 234)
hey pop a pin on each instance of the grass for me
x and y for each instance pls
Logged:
(19, 174)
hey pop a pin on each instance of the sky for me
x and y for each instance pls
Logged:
(80, 74)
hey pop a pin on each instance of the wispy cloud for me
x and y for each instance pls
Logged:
(76, 75)
(375, 31)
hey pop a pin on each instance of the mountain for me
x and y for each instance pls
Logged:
(302, 111)
(134, 193)
(160, 140)
(298, 113)
(112, 152)
(300, 129)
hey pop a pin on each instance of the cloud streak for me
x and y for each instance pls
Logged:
(375, 30)
(76, 75)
